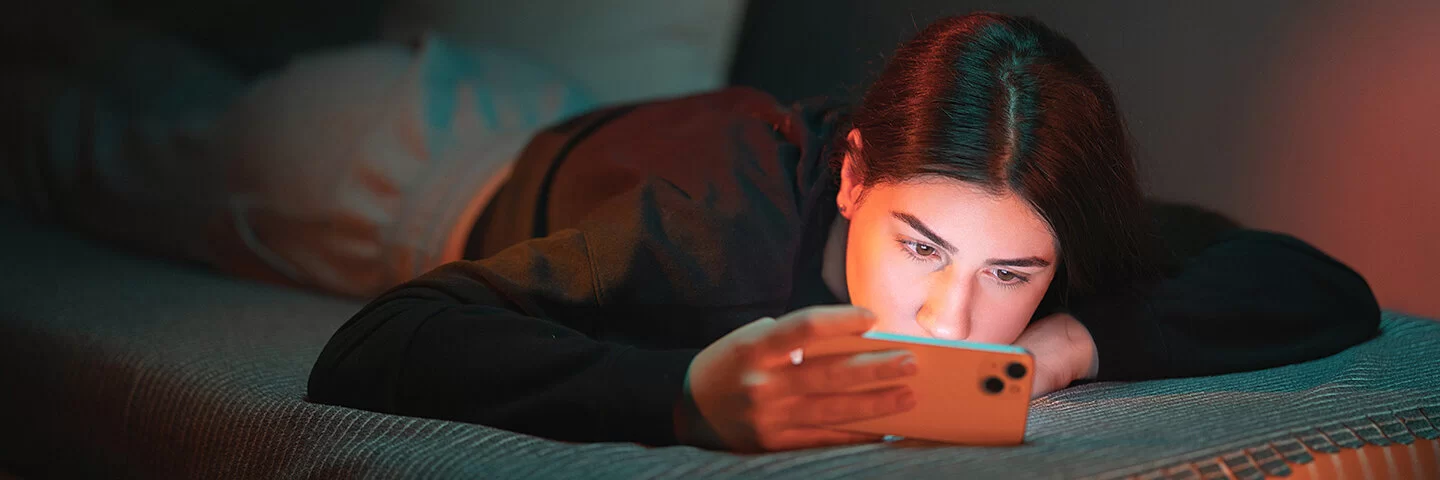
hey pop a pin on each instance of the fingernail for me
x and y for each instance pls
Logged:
(907, 365)
(907, 400)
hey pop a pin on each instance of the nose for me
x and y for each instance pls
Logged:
(946, 312)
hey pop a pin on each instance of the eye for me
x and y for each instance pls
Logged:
(918, 251)
(1009, 278)
(924, 250)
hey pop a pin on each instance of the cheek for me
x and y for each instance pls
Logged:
(1000, 320)
(1005, 314)
(879, 281)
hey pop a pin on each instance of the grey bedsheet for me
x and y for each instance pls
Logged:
(122, 366)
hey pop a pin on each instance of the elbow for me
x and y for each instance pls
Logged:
(1345, 303)
(320, 387)
(324, 384)
(350, 385)
(328, 383)
(357, 367)
(1358, 315)
(1351, 317)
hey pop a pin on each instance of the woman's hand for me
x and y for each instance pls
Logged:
(748, 396)
(1063, 349)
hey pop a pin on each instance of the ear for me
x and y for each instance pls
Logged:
(850, 188)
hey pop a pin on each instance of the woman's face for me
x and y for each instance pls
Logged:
(940, 258)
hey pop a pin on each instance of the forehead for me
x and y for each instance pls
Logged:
(965, 213)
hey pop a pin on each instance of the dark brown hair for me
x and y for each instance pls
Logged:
(1008, 104)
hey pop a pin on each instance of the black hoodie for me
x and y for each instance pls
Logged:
(629, 238)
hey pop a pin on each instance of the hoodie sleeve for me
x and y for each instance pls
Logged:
(508, 342)
(1249, 300)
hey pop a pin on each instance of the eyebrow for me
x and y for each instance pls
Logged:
(920, 226)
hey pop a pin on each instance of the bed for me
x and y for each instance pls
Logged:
(117, 365)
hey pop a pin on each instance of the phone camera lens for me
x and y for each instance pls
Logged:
(1015, 370)
(994, 385)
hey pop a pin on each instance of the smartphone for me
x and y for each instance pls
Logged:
(966, 393)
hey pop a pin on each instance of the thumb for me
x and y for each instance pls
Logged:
(762, 322)
(756, 328)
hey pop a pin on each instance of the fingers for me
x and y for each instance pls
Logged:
(793, 330)
(838, 373)
(797, 438)
(829, 409)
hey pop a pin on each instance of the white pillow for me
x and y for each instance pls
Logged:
(620, 50)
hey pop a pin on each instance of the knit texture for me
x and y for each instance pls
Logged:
(121, 366)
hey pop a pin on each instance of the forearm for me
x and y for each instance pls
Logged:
(1253, 300)
(447, 347)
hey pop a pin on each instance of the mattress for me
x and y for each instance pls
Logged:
(119, 365)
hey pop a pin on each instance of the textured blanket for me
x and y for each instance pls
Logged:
(116, 365)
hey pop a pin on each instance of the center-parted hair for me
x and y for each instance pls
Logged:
(1007, 104)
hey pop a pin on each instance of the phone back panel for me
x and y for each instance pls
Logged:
(953, 403)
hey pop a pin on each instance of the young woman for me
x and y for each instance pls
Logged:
(647, 271)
